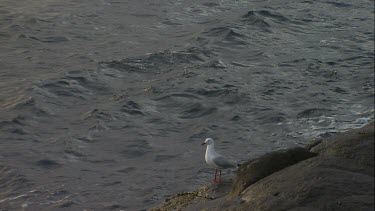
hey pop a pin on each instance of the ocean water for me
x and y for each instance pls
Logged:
(104, 103)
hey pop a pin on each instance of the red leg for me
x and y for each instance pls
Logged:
(215, 175)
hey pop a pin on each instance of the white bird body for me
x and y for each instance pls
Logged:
(221, 162)
(210, 155)
(216, 160)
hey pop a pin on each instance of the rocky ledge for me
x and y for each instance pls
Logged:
(336, 173)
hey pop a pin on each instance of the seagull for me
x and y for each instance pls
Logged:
(216, 160)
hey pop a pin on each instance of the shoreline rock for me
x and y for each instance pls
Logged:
(336, 173)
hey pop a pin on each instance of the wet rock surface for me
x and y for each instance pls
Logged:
(337, 173)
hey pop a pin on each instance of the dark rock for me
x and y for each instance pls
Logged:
(337, 174)
(313, 143)
(356, 144)
(255, 170)
(341, 177)
(308, 184)
(190, 200)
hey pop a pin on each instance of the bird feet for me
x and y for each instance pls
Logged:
(217, 178)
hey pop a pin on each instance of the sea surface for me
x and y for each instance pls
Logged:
(104, 104)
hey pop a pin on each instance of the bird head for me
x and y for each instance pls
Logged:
(208, 141)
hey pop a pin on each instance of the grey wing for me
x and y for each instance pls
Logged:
(223, 162)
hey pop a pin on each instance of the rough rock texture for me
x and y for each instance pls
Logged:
(336, 173)
(206, 193)
(255, 170)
